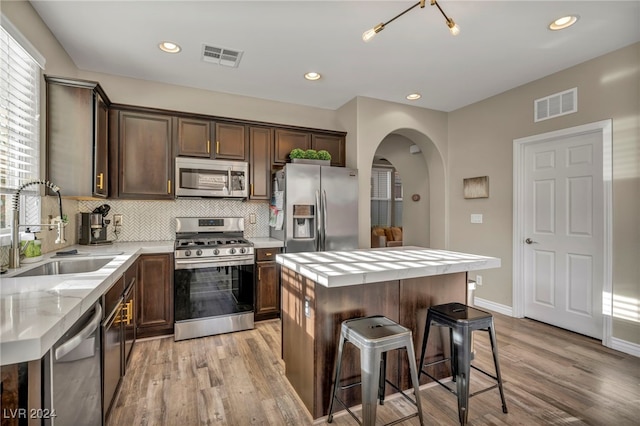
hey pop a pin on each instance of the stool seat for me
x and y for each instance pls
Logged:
(374, 336)
(462, 320)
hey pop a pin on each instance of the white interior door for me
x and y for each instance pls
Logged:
(563, 232)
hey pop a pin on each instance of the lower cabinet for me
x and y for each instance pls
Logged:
(155, 295)
(112, 344)
(118, 334)
(267, 284)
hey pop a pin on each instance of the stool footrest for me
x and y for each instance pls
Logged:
(402, 393)
(439, 382)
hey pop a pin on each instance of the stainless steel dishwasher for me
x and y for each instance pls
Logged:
(72, 386)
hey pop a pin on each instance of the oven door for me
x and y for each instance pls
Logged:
(205, 289)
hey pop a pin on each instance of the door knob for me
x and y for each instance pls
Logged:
(530, 241)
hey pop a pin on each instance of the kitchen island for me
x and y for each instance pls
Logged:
(322, 289)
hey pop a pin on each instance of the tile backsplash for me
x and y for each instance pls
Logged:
(147, 220)
(154, 220)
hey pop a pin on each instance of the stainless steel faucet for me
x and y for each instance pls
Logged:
(14, 254)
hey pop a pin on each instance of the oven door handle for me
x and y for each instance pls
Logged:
(209, 263)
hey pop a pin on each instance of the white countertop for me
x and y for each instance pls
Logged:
(266, 242)
(36, 311)
(343, 268)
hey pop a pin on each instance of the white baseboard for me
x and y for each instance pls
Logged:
(493, 306)
(626, 347)
(616, 344)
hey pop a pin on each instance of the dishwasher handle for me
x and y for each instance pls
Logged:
(76, 340)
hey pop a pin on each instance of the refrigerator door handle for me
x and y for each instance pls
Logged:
(318, 223)
(324, 220)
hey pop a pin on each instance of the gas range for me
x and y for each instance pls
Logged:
(211, 239)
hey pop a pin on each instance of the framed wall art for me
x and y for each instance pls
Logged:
(476, 187)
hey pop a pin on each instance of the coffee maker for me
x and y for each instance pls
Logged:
(93, 226)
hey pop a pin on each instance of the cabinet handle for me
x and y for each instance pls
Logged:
(208, 147)
(268, 254)
(259, 269)
(100, 180)
(217, 147)
(251, 190)
(169, 186)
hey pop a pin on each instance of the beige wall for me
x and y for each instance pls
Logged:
(480, 143)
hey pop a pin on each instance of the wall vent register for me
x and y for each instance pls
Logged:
(555, 105)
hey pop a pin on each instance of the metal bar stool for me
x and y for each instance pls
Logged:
(462, 320)
(374, 336)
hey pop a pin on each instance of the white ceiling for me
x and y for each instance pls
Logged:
(502, 45)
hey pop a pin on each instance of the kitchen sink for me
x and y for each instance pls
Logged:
(60, 267)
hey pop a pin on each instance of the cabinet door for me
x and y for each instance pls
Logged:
(260, 141)
(155, 295)
(194, 138)
(231, 143)
(101, 149)
(335, 145)
(76, 117)
(267, 291)
(286, 140)
(145, 159)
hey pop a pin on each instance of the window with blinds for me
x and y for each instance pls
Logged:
(386, 197)
(380, 197)
(19, 130)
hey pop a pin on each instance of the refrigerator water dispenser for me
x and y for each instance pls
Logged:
(302, 228)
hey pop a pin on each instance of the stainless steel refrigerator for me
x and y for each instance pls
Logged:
(319, 205)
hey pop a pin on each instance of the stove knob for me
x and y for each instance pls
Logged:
(187, 253)
(243, 250)
(199, 252)
(216, 251)
(232, 251)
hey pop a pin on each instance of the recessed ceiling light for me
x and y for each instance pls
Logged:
(169, 47)
(564, 22)
(414, 96)
(312, 76)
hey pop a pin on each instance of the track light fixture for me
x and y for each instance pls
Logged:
(453, 27)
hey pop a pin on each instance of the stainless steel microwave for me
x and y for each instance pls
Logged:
(198, 177)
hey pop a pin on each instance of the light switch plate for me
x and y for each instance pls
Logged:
(252, 218)
(476, 218)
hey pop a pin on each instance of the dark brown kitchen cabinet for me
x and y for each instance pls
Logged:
(194, 138)
(230, 141)
(208, 139)
(77, 137)
(260, 141)
(334, 145)
(145, 155)
(286, 140)
(267, 284)
(155, 295)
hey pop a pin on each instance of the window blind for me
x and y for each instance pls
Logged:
(19, 129)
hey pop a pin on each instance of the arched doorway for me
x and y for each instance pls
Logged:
(408, 205)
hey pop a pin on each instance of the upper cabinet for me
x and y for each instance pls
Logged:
(194, 138)
(77, 137)
(142, 144)
(334, 144)
(208, 139)
(260, 142)
(286, 140)
(230, 141)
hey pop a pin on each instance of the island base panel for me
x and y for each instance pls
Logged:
(310, 341)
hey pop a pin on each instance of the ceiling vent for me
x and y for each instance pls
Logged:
(556, 105)
(221, 56)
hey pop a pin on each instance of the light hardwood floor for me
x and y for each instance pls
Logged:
(550, 376)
